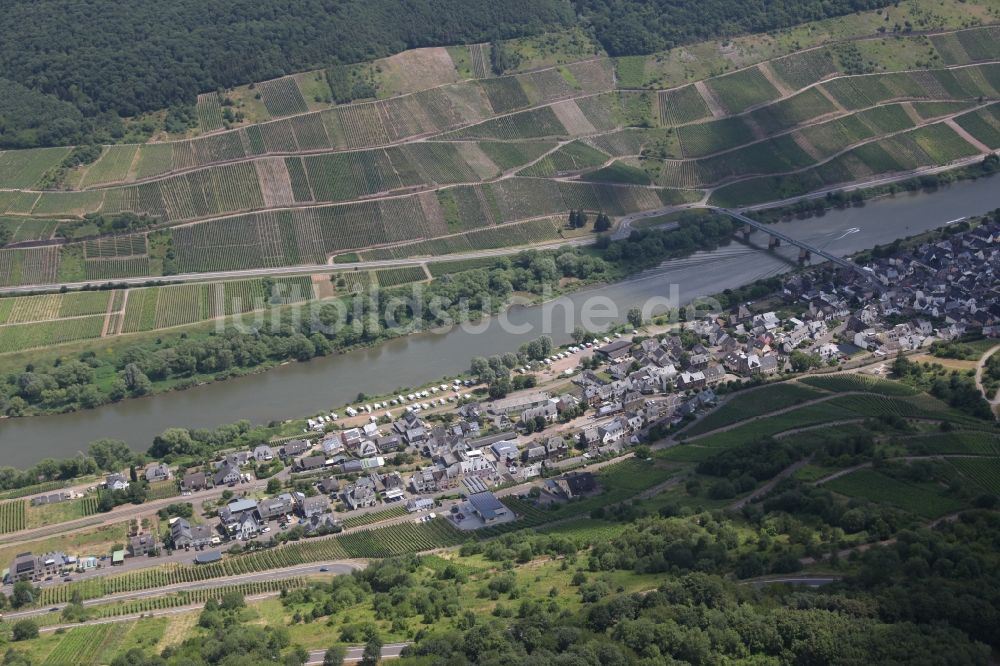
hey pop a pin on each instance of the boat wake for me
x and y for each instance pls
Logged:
(852, 230)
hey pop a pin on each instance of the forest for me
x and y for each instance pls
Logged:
(73, 68)
(636, 27)
(925, 599)
(134, 56)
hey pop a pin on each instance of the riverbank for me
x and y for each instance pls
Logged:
(843, 199)
(88, 374)
(297, 389)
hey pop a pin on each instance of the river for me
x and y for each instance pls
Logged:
(300, 389)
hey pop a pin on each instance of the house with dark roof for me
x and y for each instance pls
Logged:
(194, 481)
(184, 535)
(360, 494)
(142, 544)
(489, 509)
(328, 486)
(157, 472)
(313, 506)
(276, 507)
(322, 523)
(24, 567)
(309, 463)
(615, 350)
(227, 474)
(576, 484)
(295, 447)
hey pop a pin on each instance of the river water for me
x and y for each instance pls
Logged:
(300, 389)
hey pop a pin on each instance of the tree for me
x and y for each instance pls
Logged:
(544, 345)
(635, 317)
(372, 654)
(539, 423)
(17, 658)
(232, 601)
(23, 594)
(579, 334)
(335, 656)
(273, 486)
(479, 366)
(602, 223)
(24, 630)
(802, 362)
(297, 656)
(136, 380)
(502, 58)
(173, 441)
(110, 455)
(722, 489)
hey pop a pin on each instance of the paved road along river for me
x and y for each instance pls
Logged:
(299, 389)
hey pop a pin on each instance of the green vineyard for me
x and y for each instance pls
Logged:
(12, 516)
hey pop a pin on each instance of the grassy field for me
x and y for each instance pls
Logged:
(50, 514)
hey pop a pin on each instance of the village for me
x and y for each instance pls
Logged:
(449, 450)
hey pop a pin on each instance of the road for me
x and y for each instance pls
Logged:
(391, 651)
(285, 271)
(767, 487)
(335, 567)
(864, 184)
(980, 368)
(809, 581)
(624, 228)
(621, 231)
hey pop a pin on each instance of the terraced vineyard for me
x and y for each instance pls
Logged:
(440, 167)
(752, 403)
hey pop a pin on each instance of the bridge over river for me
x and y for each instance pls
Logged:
(806, 250)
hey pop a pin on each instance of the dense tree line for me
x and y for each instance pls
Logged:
(105, 455)
(696, 619)
(630, 27)
(30, 118)
(119, 223)
(130, 57)
(747, 464)
(72, 68)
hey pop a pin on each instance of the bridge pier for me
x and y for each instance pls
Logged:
(773, 243)
(804, 255)
(746, 233)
